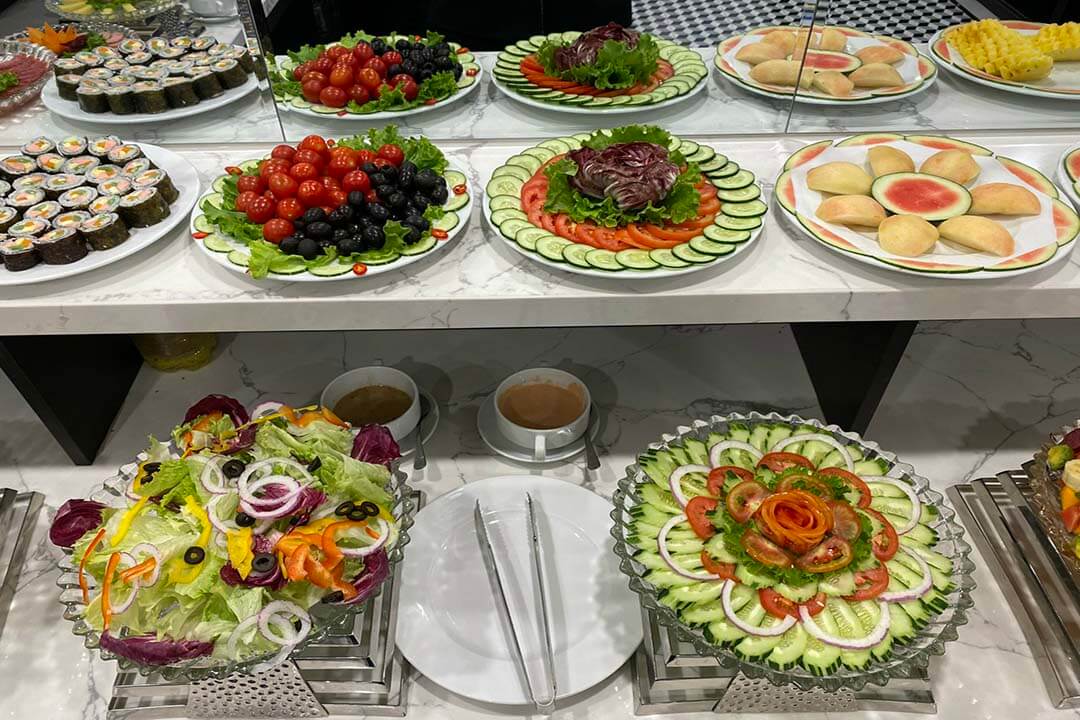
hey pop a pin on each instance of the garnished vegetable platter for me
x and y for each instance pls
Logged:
(375, 77)
(328, 209)
(609, 69)
(802, 553)
(635, 200)
(235, 544)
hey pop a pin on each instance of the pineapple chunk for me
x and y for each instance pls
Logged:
(1000, 51)
(1061, 42)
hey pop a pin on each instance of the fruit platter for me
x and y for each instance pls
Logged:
(24, 69)
(632, 202)
(1027, 58)
(842, 66)
(797, 552)
(1069, 174)
(325, 209)
(926, 205)
(372, 77)
(108, 10)
(75, 204)
(609, 69)
(237, 542)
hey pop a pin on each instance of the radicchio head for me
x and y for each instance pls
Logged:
(583, 50)
(633, 174)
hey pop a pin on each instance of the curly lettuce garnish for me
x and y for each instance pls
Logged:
(609, 58)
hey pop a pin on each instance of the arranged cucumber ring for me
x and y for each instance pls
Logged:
(876, 198)
(514, 205)
(798, 551)
(680, 73)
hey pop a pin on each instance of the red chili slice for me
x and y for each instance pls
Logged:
(359, 268)
(439, 234)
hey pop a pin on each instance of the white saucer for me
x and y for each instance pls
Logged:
(496, 441)
(427, 425)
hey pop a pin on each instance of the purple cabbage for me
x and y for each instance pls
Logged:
(632, 174)
(274, 580)
(374, 444)
(583, 51)
(219, 403)
(244, 440)
(148, 650)
(310, 498)
(1073, 440)
(74, 519)
(376, 569)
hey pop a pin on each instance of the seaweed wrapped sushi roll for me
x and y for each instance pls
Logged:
(229, 73)
(31, 181)
(71, 146)
(15, 166)
(60, 246)
(157, 44)
(68, 66)
(8, 217)
(117, 186)
(149, 97)
(72, 219)
(57, 185)
(104, 204)
(129, 46)
(38, 146)
(78, 198)
(5, 188)
(158, 179)
(121, 99)
(28, 227)
(117, 65)
(104, 231)
(101, 73)
(242, 56)
(137, 166)
(100, 147)
(143, 207)
(180, 92)
(204, 43)
(23, 199)
(102, 173)
(91, 99)
(182, 41)
(178, 67)
(141, 57)
(122, 154)
(206, 83)
(45, 210)
(88, 58)
(80, 165)
(18, 253)
(51, 162)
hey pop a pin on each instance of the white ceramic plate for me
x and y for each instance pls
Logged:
(488, 428)
(447, 623)
(69, 110)
(1063, 82)
(1070, 178)
(186, 179)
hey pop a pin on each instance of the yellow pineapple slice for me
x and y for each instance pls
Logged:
(1061, 42)
(1000, 51)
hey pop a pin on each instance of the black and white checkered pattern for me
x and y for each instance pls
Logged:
(706, 22)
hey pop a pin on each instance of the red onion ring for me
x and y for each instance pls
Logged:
(772, 631)
(661, 543)
(876, 635)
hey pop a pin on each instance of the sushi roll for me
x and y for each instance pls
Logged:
(242, 56)
(92, 99)
(182, 41)
(104, 204)
(198, 58)
(104, 231)
(68, 66)
(150, 73)
(180, 92)
(71, 146)
(8, 217)
(116, 65)
(158, 179)
(117, 186)
(143, 208)
(57, 185)
(31, 181)
(206, 83)
(161, 63)
(96, 83)
(137, 166)
(124, 81)
(38, 146)
(99, 73)
(68, 85)
(229, 73)
(51, 162)
(219, 50)
(178, 67)
(102, 173)
(18, 253)
(129, 46)
(28, 227)
(77, 198)
(100, 147)
(23, 199)
(61, 246)
(149, 97)
(170, 53)
(88, 58)
(202, 44)
(72, 219)
(46, 210)
(157, 44)
(122, 154)
(81, 165)
(5, 188)
(15, 166)
(139, 58)
(105, 52)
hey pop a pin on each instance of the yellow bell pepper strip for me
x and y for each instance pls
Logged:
(238, 543)
(82, 565)
(144, 568)
(1068, 497)
(106, 608)
(179, 570)
(199, 512)
(125, 521)
(295, 564)
(180, 573)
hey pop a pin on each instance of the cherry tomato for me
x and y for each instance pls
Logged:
(358, 94)
(283, 185)
(845, 521)
(260, 210)
(356, 180)
(802, 481)
(348, 61)
(341, 76)
(776, 604)
(853, 481)
(781, 461)
(330, 183)
(284, 152)
(1071, 517)
(309, 156)
(303, 171)
(243, 200)
(271, 166)
(369, 79)
(410, 89)
(277, 229)
(324, 64)
(333, 96)
(870, 583)
(697, 512)
(764, 550)
(365, 156)
(745, 498)
(831, 554)
(342, 150)
(337, 51)
(311, 193)
(717, 477)
(302, 69)
(377, 65)
(289, 208)
(255, 183)
(363, 51)
(341, 165)
(338, 197)
(392, 154)
(885, 542)
(315, 75)
(725, 571)
(311, 89)
(815, 604)
(314, 143)
(392, 57)
(398, 79)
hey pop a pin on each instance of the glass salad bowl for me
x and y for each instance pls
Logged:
(324, 617)
(8, 50)
(905, 658)
(1046, 502)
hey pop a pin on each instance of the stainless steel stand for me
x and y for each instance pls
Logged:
(1036, 577)
(18, 513)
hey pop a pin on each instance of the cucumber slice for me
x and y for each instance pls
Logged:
(466, 80)
(238, 257)
(215, 199)
(723, 235)
(556, 146)
(790, 649)
(420, 246)
(504, 185)
(453, 178)
(378, 257)
(733, 182)
(202, 224)
(636, 259)
(705, 613)
(331, 269)
(456, 202)
(605, 260)
(756, 646)
(514, 51)
(217, 243)
(715, 163)
(837, 584)
(657, 497)
(540, 153)
(736, 223)
(704, 154)
(664, 256)
(620, 100)
(687, 253)
(219, 184)
(528, 162)
(710, 247)
(745, 194)
(512, 170)
(599, 101)
(754, 208)
(510, 228)
(700, 592)
(447, 222)
(527, 237)
(527, 46)
(687, 148)
(797, 593)
(552, 247)
(288, 265)
(575, 253)
(751, 579)
(500, 216)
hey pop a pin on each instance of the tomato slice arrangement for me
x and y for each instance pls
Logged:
(534, 73)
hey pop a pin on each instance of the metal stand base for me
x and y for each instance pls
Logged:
(18, 513)
(669, 677)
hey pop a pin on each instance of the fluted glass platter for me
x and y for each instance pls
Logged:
(30, 64)
(118, 11)
(697, 612)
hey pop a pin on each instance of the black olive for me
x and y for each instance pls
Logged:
(374, 238)
(244, 520)
(349, 245)
(341, 216)
(312, 215)
(356, 515)
(369, 168)
(377, 178)
(370, 508)
(233, 468)
(334, 597)
(318, 230)
(385, 191)
(379, 46)
(391, 174)
(408, 165)
(457, 72)
(409, 68)
(444, 63)
(426, 179)
(412, 235)
(406, 178)
(378, 212)
(439, 194)
(421, 223)
(344, 508)
(340, 235)
(308, 249)
(420, 200)
(392, 70)
(356, 199)
(428, 69)
(194, 555)
(356, 228)
(299, 225)
(288, 245)
(263, 562)
(396, 200)
(364, 222)
(442, 48)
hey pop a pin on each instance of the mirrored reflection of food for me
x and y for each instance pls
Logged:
(64, 40)
(23, 71)
(107, 10)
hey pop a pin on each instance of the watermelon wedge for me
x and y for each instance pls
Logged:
(869, 139)
(828, 236)
(1030, 175)
(785, 191)
(940, 142)
(1066, 223)
(829, 60)
(1072, 165)
(806, 154)
(1031, 258)
(928, 196)
(928, 266)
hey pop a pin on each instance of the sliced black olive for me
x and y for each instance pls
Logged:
(150, 468)
(334, 597)
(314, 214)
(244, 520)
(314, 464)
(369, 508)
(233, 468)
(194, 555)
(263, 562)
(356, 515)
(344, 508)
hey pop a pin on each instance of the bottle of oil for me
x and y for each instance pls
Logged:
(176, 351)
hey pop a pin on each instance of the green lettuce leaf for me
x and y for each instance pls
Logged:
(173, 481)
(232, 223)
(419, 150)
(616, 66)
(344, 478)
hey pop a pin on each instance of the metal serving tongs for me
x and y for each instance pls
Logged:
(543, 697)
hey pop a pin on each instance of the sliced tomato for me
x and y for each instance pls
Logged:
(781, 461)
(815, 604)
(870, 583)
(697, 512)
(845, 520)
(725, 571)
(776, 604)
(852, 480)
(745, 498)
(1071, 517)
(764, 550)
(885, 542)
(802, 481)
(719, 475)
(831, 554)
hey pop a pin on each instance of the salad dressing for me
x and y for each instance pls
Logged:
(378, 404)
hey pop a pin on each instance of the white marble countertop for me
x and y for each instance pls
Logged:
(969, 399)
(479, 282)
